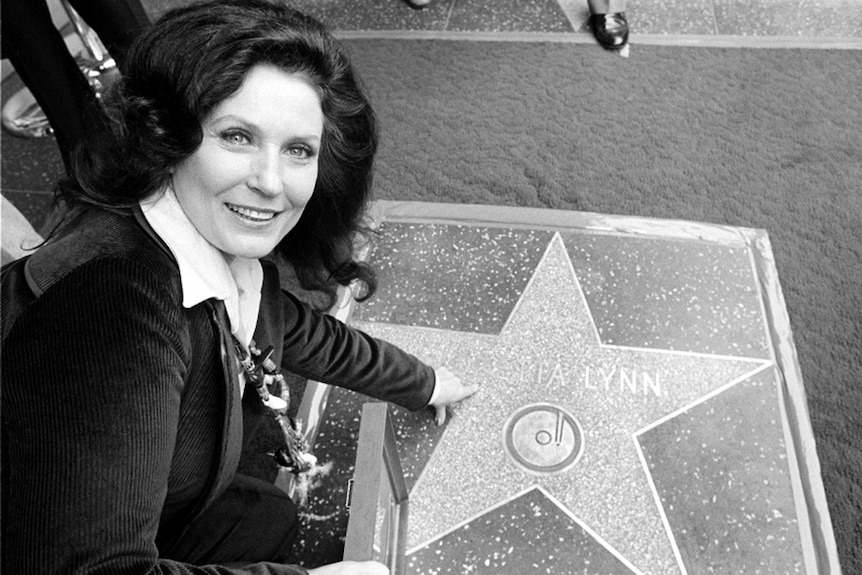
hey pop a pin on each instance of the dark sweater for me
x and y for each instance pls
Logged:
(121, 415)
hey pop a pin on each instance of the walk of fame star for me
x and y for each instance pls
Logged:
(561, 411)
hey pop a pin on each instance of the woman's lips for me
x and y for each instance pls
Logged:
(252, 214)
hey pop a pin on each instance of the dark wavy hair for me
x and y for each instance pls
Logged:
(188, 62)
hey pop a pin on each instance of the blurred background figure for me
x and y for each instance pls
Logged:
(40, 56)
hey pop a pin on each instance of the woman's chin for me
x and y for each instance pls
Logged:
(249, 250)
(245, 243)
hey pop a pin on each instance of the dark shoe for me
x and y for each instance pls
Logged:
(418, 4)
(611, 30)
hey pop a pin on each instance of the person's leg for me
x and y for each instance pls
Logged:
(252, 521)
(606, 6)
(40, 57)
(116, 22)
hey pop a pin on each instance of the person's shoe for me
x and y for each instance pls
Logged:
(418, 4)
(611, 30)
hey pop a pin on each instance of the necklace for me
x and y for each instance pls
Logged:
(263, 373)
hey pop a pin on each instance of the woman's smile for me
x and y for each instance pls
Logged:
(251, 214)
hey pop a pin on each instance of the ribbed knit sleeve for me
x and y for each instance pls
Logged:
(322, 348)
(93, 374)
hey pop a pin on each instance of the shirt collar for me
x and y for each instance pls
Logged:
(205, 271)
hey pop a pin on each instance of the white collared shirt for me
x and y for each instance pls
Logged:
(205, 271)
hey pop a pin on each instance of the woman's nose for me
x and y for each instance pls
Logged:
(266, 173)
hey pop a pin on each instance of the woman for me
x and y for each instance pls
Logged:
(238, 129)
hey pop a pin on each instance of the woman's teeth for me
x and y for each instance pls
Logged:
(251, 214)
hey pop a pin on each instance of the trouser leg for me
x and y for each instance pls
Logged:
(116, 22)
(251, 521)
(40, 57)
(606, 6)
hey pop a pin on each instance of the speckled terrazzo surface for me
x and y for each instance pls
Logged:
(627, 419)
(468, 279)
(721, 471)
(670, 294)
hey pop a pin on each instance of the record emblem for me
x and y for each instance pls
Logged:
(543, 439)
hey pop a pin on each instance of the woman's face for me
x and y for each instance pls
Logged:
(247, 184)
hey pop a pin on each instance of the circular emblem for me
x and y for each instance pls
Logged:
(543, 439)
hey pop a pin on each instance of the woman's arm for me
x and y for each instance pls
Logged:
(92, 375)
(319, 347)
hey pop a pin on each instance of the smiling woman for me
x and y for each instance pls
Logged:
(239, 129)
(165, 109)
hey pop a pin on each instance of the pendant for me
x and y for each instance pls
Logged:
(275, 402)
(263, 373)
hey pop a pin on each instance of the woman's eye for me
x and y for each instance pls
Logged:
(300, 152)
(236, 138)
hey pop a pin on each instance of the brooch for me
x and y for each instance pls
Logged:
(263, 373)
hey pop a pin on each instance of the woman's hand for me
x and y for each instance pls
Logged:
(449, 389)
(351, 568)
